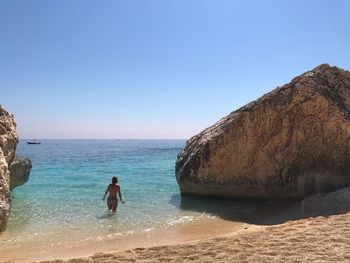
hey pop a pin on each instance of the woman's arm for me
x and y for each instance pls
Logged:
(120, 195)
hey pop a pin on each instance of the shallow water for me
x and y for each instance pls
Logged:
(62, 202)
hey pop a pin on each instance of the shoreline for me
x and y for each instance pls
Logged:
(226, 220)
(205, 228)
(314, 239)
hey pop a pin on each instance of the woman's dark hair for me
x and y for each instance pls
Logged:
(114, 180)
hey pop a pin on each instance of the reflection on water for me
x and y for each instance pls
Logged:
(21, 213)
(267, 212)
(225, 209)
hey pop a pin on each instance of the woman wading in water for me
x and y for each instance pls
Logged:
(113, 190)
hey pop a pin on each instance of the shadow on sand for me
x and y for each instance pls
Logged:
(259, 213)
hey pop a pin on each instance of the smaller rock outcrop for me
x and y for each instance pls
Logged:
(19, 171)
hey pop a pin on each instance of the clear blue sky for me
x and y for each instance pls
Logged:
(155, 69)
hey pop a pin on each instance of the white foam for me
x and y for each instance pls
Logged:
(181, 220)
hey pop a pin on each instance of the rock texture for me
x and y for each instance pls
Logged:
(290, 143)
(19, 171)
(8, 143)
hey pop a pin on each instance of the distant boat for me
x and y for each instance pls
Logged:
(33, 142)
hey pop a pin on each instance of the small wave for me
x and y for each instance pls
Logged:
(181, 220)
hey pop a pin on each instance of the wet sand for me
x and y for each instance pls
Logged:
(190, 231)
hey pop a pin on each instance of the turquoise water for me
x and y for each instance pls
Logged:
(62, 201)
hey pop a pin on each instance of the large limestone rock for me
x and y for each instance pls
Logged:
(8, 143)
(19, 171)
(290, 143)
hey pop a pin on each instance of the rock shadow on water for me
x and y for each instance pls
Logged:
(268, 212)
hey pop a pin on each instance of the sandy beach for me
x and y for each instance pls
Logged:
(316, 239)
(177, 234)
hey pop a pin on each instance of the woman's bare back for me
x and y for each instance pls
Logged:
(113, 190)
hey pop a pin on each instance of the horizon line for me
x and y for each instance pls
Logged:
(28, 139)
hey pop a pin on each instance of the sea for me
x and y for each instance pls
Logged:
(62, 204)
